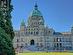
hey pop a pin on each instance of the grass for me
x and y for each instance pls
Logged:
(45, 53)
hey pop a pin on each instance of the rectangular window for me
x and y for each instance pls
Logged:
(22, 45)
(60, 44)
(17, 40)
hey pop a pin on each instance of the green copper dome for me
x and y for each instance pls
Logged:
(22, 23)
(36, 12)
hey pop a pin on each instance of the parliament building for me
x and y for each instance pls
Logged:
(35, 36)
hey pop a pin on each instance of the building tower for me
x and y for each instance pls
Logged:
(36, 21)
(72, 36)
(72, 30)
(22, 27)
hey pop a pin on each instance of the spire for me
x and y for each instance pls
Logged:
(36, 11)
(36, 6)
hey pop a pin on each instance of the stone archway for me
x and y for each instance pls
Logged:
(32, 42)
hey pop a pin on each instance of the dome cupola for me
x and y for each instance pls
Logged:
(35, 11)
(22, 23)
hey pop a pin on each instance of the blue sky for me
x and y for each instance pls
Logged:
(58, 14)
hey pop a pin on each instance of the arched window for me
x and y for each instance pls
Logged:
(36, 33)
(32, 42)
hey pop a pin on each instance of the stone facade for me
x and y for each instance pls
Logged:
(36, 37)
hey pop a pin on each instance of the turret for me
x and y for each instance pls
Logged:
(22, 27)
(72, 36)
(72, 30)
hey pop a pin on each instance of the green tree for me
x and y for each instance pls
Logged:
(5, 21)
(8, 25)
(6, 30)
(6, 47)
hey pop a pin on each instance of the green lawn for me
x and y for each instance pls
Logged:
(45, 53)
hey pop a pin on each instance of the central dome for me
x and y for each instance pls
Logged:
(36, 12)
